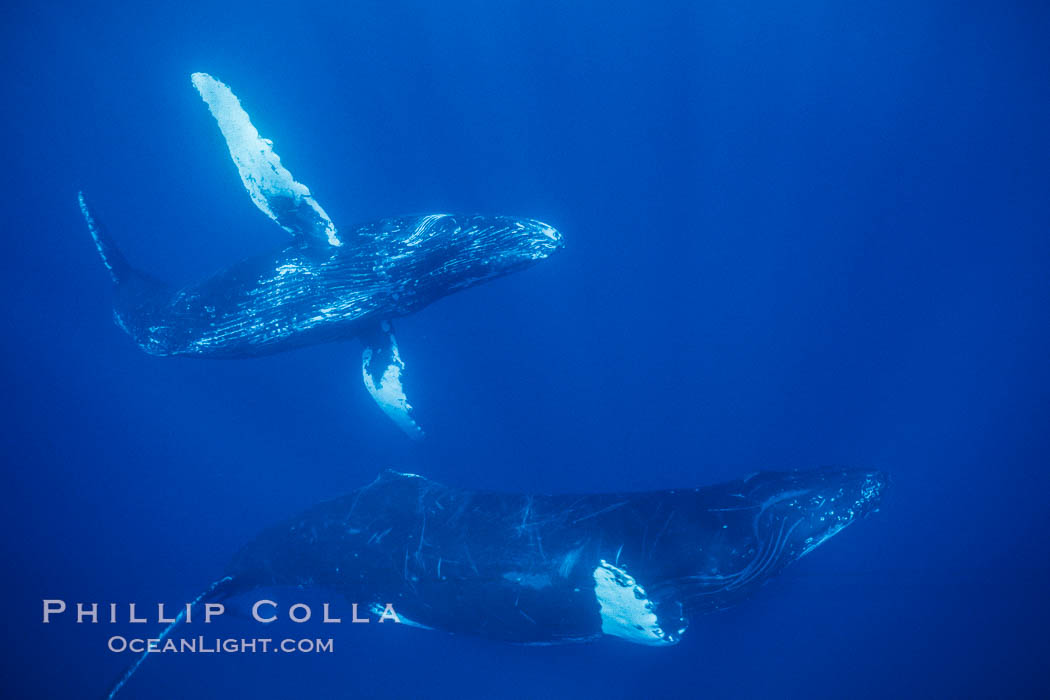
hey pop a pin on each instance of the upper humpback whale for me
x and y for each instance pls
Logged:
(329, 284)
(551, 569)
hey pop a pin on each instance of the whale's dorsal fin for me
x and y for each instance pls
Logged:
(271, 186)
(383, 369)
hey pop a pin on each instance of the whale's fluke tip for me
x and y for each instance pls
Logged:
(111, 257)
(218, 590)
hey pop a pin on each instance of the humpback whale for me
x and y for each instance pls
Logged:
(551, 569)
(329, 284)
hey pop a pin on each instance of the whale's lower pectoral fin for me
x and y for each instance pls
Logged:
(271, 186)
(629, 613)
(383, 372)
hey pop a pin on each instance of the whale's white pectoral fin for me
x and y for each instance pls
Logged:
(271, 186)
(626, 610)
(383, 372)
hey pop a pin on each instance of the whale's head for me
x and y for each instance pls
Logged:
(439, 254)
(503, 244)
(481, 248)
(750, 530)
(799, 511)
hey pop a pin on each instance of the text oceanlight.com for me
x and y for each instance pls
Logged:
(218, 645)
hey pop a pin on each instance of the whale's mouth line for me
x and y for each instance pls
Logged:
(832, 531)
(772, 556)
(768, 554)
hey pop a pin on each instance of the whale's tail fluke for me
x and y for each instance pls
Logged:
(112, 258)
(218, 590)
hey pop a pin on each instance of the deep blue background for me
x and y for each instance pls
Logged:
(797, 234)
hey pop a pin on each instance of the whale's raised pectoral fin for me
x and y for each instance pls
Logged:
(271, 186)
(383, 372)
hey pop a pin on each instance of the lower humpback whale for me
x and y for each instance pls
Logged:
(551, 569)
(328, 285)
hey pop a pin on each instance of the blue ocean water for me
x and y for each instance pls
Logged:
(797, 235)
